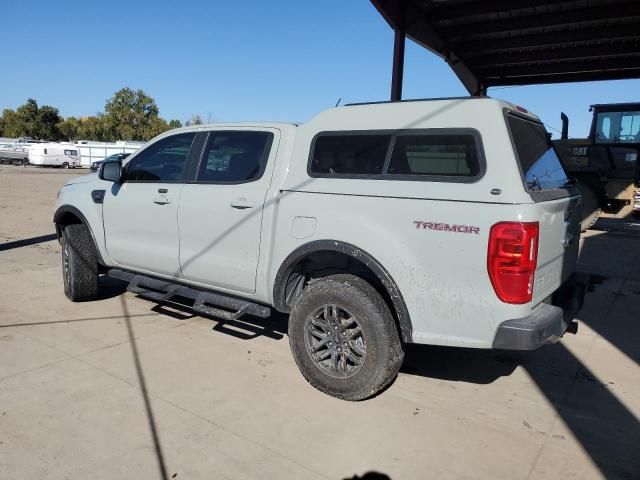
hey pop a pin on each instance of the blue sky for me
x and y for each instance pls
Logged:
(242, 60)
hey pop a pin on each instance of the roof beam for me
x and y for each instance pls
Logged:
(537, 40)
(497, 74)
(517, 25)
(473, 9)
(564, 78)
(554, 55)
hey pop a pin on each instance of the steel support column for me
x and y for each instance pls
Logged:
(398, 65)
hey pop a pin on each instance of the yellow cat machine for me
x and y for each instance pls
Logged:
(604, 165)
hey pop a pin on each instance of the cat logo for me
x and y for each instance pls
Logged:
(580, 151)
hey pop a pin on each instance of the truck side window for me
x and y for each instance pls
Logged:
(349, 154)
(234, 156)
(162, 161)
(451, 155)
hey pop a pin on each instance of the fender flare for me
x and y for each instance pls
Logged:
(59, 213)
(404, 320)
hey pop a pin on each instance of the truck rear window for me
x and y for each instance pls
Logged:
(540, 165)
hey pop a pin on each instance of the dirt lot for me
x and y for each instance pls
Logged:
(122, 388)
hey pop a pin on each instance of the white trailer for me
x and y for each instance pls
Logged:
(65, 155)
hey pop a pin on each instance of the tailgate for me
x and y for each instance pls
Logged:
(557, 245)
(557, 205)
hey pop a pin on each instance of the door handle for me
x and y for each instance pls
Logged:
(161, 198)
(242, 203)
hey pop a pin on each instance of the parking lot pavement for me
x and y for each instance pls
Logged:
(122, 388)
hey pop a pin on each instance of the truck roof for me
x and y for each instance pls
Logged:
(431, 99)
(450, 100)
(399, 112)
(614, 107)
(210, 126)
(371, 110)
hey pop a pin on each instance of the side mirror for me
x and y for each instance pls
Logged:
(111, 171)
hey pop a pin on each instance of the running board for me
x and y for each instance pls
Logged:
(207, 303)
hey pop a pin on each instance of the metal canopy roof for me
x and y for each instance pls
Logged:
(516, 42)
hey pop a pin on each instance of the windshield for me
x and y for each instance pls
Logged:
(618, 127)
(538, 160)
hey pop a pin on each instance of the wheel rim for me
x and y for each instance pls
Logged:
(66, 272)
(335, 341)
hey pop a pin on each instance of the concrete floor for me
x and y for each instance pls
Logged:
(122, 388)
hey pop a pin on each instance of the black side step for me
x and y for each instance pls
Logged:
(204, 302)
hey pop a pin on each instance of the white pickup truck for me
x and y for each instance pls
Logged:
(443, 222)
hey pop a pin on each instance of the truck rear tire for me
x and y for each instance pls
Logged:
(591, 210)
(344, 338)
(79, 264)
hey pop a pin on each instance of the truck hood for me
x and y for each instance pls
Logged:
(83, 179)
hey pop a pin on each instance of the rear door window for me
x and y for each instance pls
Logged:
(234, 156)
(540, 165)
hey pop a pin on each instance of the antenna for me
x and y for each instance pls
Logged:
(338, 102)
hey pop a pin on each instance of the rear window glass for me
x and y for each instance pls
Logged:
(538, 160)
(350, 154)
(443, 155)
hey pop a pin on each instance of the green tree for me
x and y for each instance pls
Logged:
(69, 128)
(46, 125)
(27, 117)
(33, 121)
(155, 127)
(132, 115)
(95, 128)
(12, 125)
(129, 115)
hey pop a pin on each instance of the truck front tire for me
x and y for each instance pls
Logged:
(344, 338)
(79, 264)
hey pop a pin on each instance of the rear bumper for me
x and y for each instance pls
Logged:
(547, 322)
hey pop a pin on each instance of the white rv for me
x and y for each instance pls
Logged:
(65, 155)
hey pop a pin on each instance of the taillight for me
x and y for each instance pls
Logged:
(512, 259)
